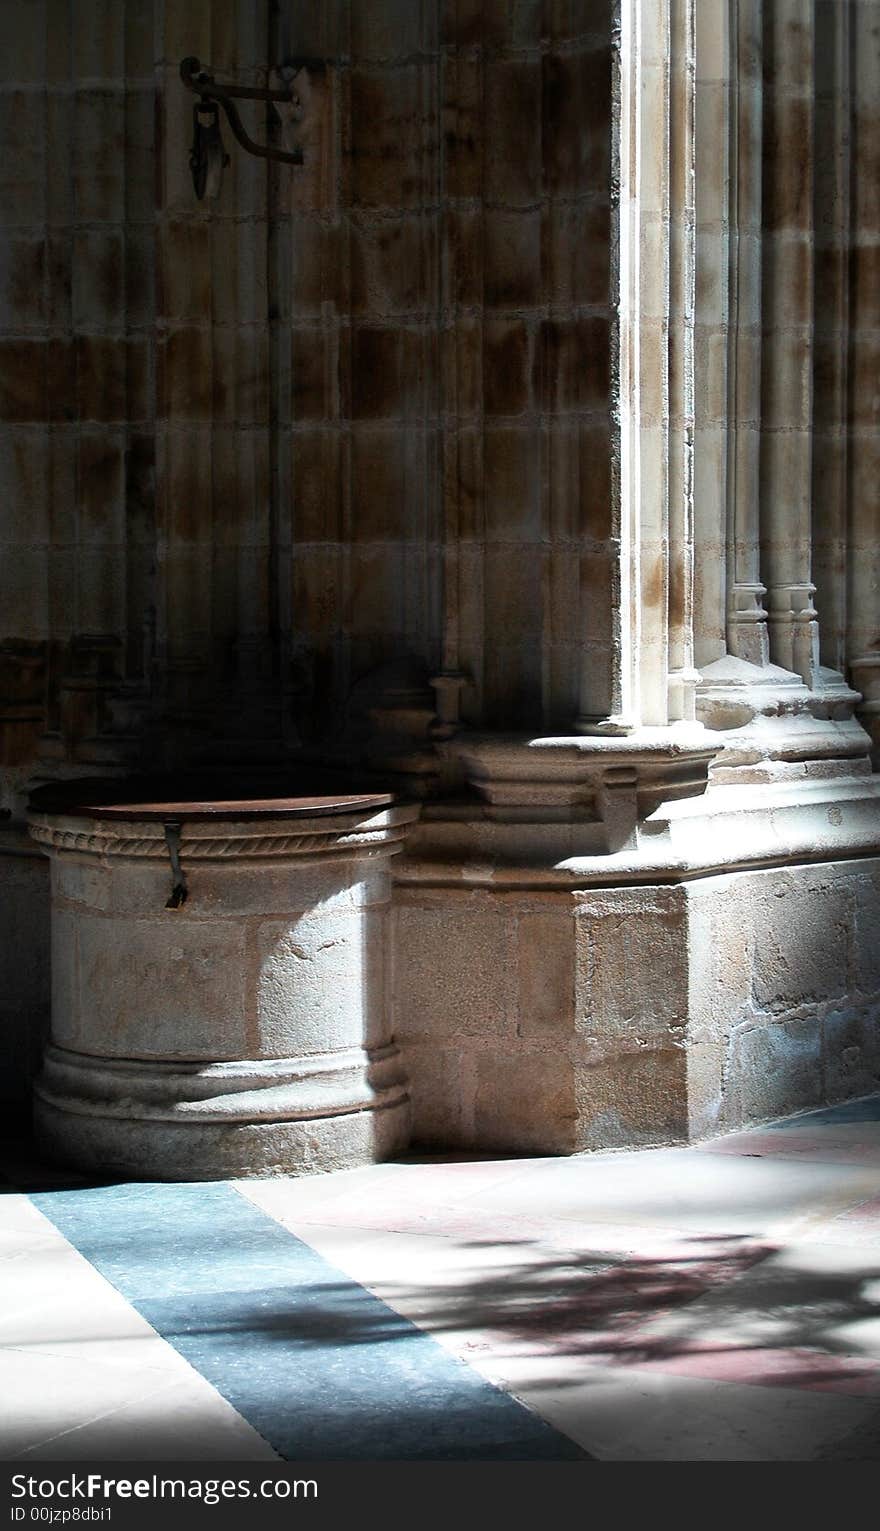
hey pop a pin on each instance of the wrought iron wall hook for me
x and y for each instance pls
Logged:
(208, 157)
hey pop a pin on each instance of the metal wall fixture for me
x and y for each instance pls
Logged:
(208, 156)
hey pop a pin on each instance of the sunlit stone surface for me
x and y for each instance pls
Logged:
(517, 453)
(242, 1033)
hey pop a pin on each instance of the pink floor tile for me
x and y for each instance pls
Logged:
(813, 1370)
(846, 1146)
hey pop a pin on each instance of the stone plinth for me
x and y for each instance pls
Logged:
(218, 987)
(581, 966)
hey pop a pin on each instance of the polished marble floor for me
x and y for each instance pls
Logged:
(713, 1303)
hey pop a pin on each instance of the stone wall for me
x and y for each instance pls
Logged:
(342, 418)
(520, 449)
(272, 460)
(547, 1020)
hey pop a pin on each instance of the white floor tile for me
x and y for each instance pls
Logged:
(73, 1354)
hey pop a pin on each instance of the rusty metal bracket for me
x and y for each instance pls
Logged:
(207, 156)
(179, 889)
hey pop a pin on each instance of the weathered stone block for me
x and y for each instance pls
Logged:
(577, 240)
(99, 47)
(140, 139)
(851, 1050)
(506, 25)
(24, 473)
(67, 1020)
(187, 289)
(388, 159)
(576, 116)
(545, 948)
(575, 364)
(317, 266)
(705, 1089)
(787, 206)
(376, 590)
(318, 985)
(865, 935)
(580, 481)
(463, 127)
(512, 489)
(800, 941)
(184, 366)
(101, 471)
(384, 464)
(864, 406)
(391, 267)
(185, 470)
(316, 592)
(315, 479)
(25, 49)
(192, 1006)
(721, 942)
(635, 982)
(638, 1097)
(440, 1094)
(82, 881)
(524, 1102)
(462, 258)
(511, 259)
(25, 597)
(102, 372)
(465, 366)
(513, 582)
(22, 281)
(140, 276)
(512, 128)
(22, 158)
(565, 20)
(388, 30)
(454, 971)
(772, 1069)
(507, 367)
(387, 373)
(23, 380)
(564, 623)
(99, 157)
(240, 377)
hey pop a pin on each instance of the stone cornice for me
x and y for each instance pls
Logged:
(515, 771)
(727, 829)
(222, 839)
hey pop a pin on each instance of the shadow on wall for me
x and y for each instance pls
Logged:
(24, 978)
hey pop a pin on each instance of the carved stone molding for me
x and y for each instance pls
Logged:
(208, 842)
(512, 771)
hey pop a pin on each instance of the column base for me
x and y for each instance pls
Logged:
(178, 1121)
(608, 970)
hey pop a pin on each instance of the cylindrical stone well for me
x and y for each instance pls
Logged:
(219, 985)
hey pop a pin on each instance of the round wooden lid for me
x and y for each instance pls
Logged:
(182, 798)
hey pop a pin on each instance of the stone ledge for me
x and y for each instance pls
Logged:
(609, 781)
(726, 829)
(226, 838)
